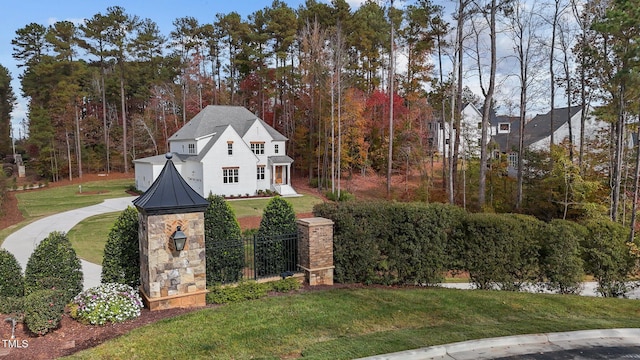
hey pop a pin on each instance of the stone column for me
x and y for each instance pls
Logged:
(315, 250)
(172, 278)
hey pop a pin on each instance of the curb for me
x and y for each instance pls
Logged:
(518, 345)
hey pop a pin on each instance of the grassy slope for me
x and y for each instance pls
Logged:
(350, 323)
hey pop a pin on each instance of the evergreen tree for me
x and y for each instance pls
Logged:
(121, 260)
(273, 256)
(54, 265)
(7, 100)
(223, 241)
(11, 280)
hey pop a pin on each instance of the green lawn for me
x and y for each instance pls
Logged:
(255, 207)
(350, 323)
(34, 204)
(90, 235)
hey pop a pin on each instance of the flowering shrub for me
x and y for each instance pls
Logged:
(43, 310)
(107, 302)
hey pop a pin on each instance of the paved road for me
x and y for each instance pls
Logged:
(590, 344)
(22, 242)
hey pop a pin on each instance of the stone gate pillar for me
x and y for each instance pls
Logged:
(172, 277)
(315, 250)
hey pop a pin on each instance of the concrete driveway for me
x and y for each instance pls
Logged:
(22, 242)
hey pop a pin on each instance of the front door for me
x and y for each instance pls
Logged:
(278, 175)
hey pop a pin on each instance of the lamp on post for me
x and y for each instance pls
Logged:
(179, 239)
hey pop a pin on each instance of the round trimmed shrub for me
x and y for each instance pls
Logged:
(121, 260)
(223, 241)
(43, 310)
(106, 303)
(561, 267)
(54, 265)
(607, 256)
(501, 250)
(11, 280)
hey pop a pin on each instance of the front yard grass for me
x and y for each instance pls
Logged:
(358, 322)
(255, 207)
(90, 235)
(35, 204)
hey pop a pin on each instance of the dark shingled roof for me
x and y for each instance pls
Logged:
(535, 130)
(215, 117)
(170, 194)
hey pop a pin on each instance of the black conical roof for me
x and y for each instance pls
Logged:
(170, 194)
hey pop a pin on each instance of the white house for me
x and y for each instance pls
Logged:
(224, 150)
(471, 131)
(537, 131)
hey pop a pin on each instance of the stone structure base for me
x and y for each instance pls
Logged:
(193, 299)
(322, 276)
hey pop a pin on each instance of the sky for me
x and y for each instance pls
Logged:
(18, 14)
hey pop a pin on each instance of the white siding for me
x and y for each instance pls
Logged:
(258, 133)
(144, 175)
(217, 159)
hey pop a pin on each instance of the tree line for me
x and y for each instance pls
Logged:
(113, 88)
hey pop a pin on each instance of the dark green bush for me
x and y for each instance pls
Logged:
(54, 264)
(344, 196)
(387, 243)
(501, 250)
(278, 220)
(607, 256)
(248, 290)
(121, 260)
(43, 310)
(224, 245)
(12, 305)
(561, 267)
(284, 285)
(11, 280)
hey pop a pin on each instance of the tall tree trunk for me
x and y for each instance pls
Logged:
(487, 106)
(124, 121)
(618, 155)
(66, 136)
(104, 115)
(78, 144)
(634, 206)
(391, 75)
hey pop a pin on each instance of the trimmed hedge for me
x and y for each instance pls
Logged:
(501, 250)
(121, 260)
(392, 243)
(561, 265)
(11, 280)
(54, 265)
(249, 290)
(607, 256)
(417, 243)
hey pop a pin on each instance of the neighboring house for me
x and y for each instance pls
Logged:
(470, 134)
(537, 132)
(471, 131)
(224, 150)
